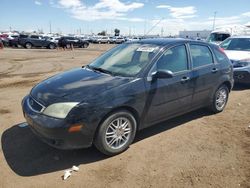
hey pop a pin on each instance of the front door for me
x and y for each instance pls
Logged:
(170, 96)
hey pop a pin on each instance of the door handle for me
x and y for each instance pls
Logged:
(185, 79)
(214, 70)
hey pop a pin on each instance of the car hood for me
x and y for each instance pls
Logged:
(75, 85)
(237, 55)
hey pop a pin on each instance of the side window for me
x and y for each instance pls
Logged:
(34, 37)
(174, 59)
(221, 58)
(200, 55)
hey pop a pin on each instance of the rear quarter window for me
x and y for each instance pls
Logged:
(220, 56)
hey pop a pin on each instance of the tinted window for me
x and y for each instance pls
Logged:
(242, 44)
(126, 59)
(200, 55)
(23, 36)
(34, 37)
(217, 37)
(174, 59)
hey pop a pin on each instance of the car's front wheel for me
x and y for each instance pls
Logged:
(28, 45)
(52, 46)
(116, 133)
(220, 99)
(85, 45)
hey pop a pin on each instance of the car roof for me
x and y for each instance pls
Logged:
(241, 36)
(167, 41)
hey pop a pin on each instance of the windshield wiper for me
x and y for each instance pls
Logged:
(100, 70)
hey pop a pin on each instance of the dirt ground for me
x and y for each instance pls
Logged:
(198, 149)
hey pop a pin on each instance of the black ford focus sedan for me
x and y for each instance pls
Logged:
(130, 87)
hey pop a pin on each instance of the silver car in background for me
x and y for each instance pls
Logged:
(238, 51)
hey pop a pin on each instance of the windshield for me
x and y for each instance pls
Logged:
(126, 59)
(217, 37)
(240, 44)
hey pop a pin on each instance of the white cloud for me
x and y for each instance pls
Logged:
(174, 25)
(117, 5)
(104, 9)
(247, 14)
(38, 3)
(70, 3)
(180, 12)
(162, 6)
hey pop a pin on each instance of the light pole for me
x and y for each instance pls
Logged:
(214, 19)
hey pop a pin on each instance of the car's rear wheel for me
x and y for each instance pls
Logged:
(52, 46)
(85, 45)
(220, 99)
(28, 45)
(116, 133)
(68, 46)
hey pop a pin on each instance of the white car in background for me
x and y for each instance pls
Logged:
(237, 50)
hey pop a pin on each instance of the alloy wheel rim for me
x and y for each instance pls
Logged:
(221, 99)
(118, 133)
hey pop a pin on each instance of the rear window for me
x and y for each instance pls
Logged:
(201, 55)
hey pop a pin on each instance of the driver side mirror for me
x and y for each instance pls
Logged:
(162, 74)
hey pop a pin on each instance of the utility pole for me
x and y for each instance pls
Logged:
(159, 21)
(50, 27)
(215, 12)
(162, 31)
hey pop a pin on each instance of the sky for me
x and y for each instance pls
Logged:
(166, 17)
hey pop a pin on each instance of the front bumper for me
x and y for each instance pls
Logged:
(242, 76)
(54, 131)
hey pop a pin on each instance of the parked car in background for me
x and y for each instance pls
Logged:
(53, 39)
(112, 40)
(130, 87)
(76, 42)
(15, 41)
(119, 40)
(103, 39)
(30, 41)
(4, 41)
(238, 51)
(1, 43)
(222, 33)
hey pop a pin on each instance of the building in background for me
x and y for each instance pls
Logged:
(194, 34)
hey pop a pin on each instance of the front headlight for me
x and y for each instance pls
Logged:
(59, 110)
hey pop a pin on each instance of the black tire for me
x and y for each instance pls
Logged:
(28, 45)
(105, 143)
(52, 46)
(68, 46)
(85, 45)
(222, 92)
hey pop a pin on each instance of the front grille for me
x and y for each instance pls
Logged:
(36, 106)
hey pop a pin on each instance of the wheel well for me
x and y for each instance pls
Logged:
(28, 43)
(228, 84)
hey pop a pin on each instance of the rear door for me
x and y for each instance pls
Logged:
(171, 96)
(35, 40)
(206, 72)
